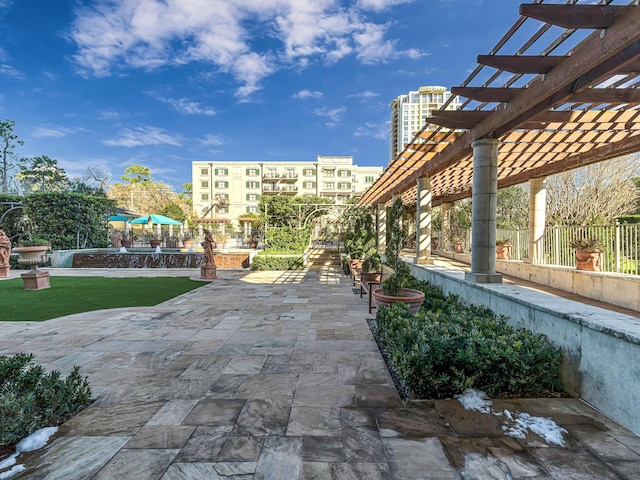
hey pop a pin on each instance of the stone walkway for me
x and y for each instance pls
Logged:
(277, 376)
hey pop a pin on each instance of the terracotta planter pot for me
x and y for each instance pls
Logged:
(187, 243)
(589, 260)
(503, 252)
(155, 243)
(458, 248)
(413, 298)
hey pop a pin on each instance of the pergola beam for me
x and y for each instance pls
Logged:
(591, 95)
(575, 16)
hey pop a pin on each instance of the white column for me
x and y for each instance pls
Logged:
(382, 226)
(423, 222)
(537, 214)
(483, 213)
(445, 241)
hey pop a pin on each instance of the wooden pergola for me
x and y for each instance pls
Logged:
(566, 97)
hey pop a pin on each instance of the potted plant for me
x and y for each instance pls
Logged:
(503, 249)
(588, 253)
(187, 239)
(371, 268)
(394, 289)
(154, 239)
(220, 239)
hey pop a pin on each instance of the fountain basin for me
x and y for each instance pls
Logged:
(156, 260)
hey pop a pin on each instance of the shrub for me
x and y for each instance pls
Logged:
(448, 347)
(280, 262)
(31, 399)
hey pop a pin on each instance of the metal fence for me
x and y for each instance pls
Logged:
(620, 243)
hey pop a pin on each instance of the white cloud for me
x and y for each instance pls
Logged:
(373, 130)
(303, 94)
(55, 131)
(142, 136)
(249, 40)
(366, 95)
(211, 140)
(334, 115)
(378, 5)
(9, 71)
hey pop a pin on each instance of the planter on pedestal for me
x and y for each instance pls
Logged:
(155, 243)
(589, 260)
(458, 247)
(33, 256)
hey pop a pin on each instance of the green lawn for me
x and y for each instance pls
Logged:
(69, 295)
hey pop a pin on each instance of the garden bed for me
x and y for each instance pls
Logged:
(448, 347)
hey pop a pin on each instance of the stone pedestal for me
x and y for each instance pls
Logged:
(4, 271)
(208, 272)
(36, 280)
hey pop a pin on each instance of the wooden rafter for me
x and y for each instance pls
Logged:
(591, 95)
(575, 16)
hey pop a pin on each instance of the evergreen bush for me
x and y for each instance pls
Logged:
(448, 347)
(277, 262)
(31, 399)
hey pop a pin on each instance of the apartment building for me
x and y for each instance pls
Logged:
(409, 113)
(228, 189)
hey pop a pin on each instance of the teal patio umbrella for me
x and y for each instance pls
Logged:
(154, 219)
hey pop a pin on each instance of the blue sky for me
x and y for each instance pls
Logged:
(164, 83)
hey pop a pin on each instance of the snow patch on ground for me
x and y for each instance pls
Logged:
(36, 440)
(517, 424)
(474, 400)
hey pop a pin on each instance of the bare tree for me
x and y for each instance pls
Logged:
(8, 141)
(593, 194)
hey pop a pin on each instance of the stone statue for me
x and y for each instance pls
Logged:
(207, 245)
(116, 238)
(5, 249)
(5, 252)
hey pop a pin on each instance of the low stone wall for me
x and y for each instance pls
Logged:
(157, 260)
(601, 348)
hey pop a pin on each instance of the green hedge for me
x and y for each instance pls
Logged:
(31, 399)
(628, 219)
(279, 262)
(448, 347)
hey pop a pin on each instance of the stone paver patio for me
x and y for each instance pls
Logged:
(277, 376)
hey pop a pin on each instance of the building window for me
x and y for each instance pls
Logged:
(222, 184)
(309, 172)
(204, 171)
(291, 173)
(252, 209)
(344, 173)
(205, 197)
(272, 173)
(253, 184)
(369, 179)
(328, 173)
(221, 172)
(329, 185)
(344, 186)
(253, 172)
(253, 197)
(309, 185)
(204, 184)
(224, 197)
(224, 209)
